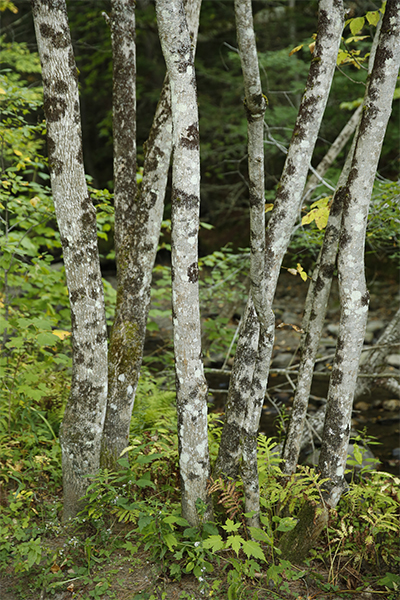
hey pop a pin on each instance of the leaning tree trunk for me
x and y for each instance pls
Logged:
(191, 385)
(83, 419)
(286, 208)
(354, 296)
(315, 309)
(138, 216)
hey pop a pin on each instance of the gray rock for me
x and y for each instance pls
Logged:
(376, 325)
(392, 405)
(393, 360)
(333, 329)
(281, 361)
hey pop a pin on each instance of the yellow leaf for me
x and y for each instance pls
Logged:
(373, 17)
(296, 49)
(268, 207)
(17, 152)
(356, 25)
(34, 201)
(1, 206)
(2, 91)
(312, 47)
(321, 217)
(6, 183)
(292, 271)
(303, 275)
(61, 334)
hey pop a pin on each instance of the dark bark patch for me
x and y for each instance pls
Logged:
(193, 273)
(101, 337)
(79, 156)
(319, 284)
(327, 271)
(191, 139)
(192, 476)
(64, 242)
(290, 169)
(313, 315)
(56, 166)
(365, 299)
(54, 108)
(60, 87)
(181, 198)
(336, 376)
(345, 239)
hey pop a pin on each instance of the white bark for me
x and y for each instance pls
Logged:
(315, 310)
(255, 105)
(83, 420)
(286, 209)
(191, 385)
(354, 296)
(138, 221)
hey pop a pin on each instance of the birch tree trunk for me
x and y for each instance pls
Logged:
(255, 105)
(138, 216)
(316, 306)
(286, 208)
(191, 385)
(83, 419)
(354, 296)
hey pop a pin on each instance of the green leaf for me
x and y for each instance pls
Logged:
(231, 526)
(47, 339)
(253, 549)
(356, 25)
(285, 524)
(235, 541)
(260, 535)
(170, 540)
(214, 543)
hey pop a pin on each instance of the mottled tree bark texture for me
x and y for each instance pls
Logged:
(83, 420)
(138, 216)
(251, 366)
(190, 381)
(354, 297)
(316, 307)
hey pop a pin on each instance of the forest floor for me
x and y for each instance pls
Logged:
(135, 575)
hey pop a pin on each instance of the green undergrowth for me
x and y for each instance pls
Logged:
(132, 524)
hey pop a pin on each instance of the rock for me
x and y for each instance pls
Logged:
(393, 360)
(281, 361)
(396, 453)
(376, 325)
(361, 406)
(392, 405)
(368, 337)
(333, 329)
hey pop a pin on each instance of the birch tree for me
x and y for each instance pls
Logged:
(317, 299)
(241, 424)
(354, 198)
(354, 296)
(138, 216)
(191, 385)
(83, 419)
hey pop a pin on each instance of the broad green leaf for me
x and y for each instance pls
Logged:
(235, 542)
(260, 535)
(46, 339)
(231, 526)
(253, 549)
(170, 540)
(214, 543)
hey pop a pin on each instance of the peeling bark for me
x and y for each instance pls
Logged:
(280, 226)
(191, 384)
(138, 216)
(354, 296)
(83, 419)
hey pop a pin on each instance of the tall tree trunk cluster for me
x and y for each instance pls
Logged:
(96, 423)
